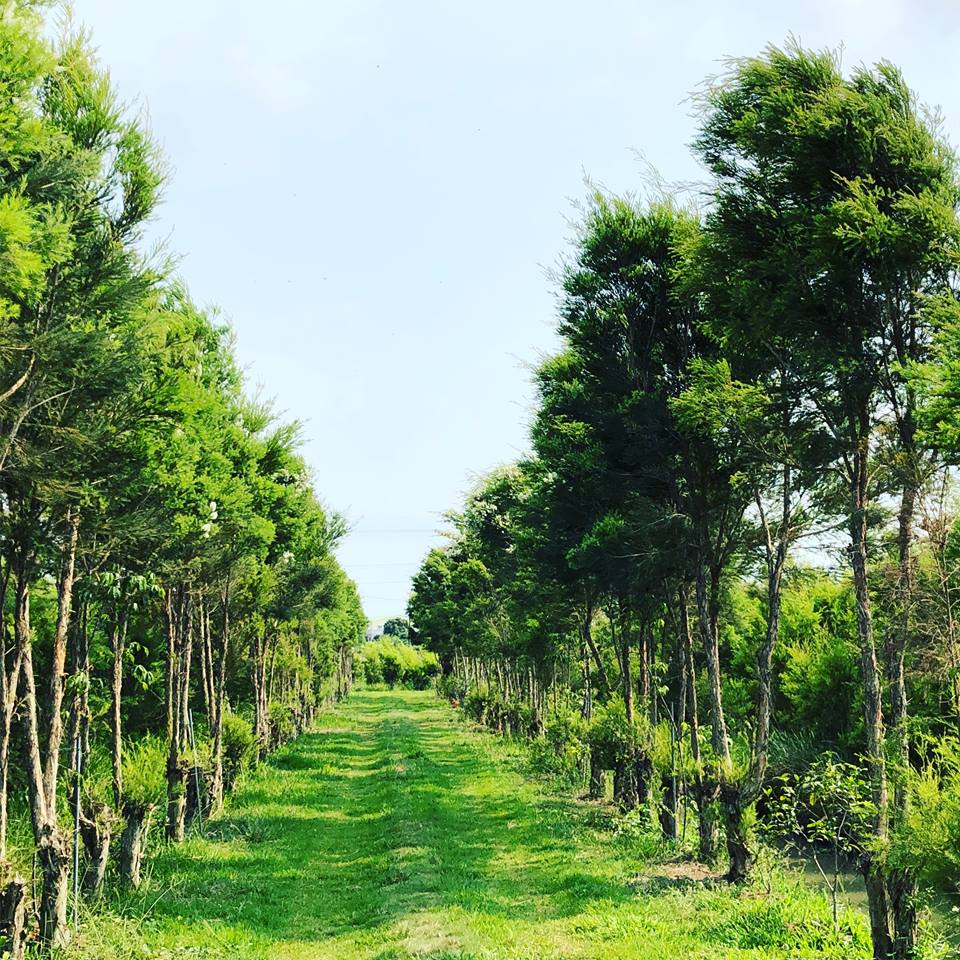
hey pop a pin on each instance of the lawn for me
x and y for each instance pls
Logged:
(395, 830)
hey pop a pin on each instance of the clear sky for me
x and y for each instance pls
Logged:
(373, 192)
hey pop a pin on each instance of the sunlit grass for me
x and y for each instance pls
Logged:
(397, 832)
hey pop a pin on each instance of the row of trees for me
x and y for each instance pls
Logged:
(162, 551)
(770, 380)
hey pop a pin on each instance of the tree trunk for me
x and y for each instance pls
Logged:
(180, 630)
(872, 702)
(13, 918)
(669, 807)
(643, 772)
(80, 705)
(53, 849)
(258, 667)
(902, 886)
(118, 632)
(596, 777)
(10, 683)
(701, 791)
(708, 830)
(708, 611)
(739, 851)
(136, 826)
(96, 832)
(54, 857)
(902, 901)
(58, 663)
(624, 778)
(878, 907)
(218, 681)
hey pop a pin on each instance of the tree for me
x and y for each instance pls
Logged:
(834, 201)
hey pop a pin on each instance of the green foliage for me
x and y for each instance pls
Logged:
(612, 738)
(562, 751)
(828, 804)
(599, 894)
(239, 747)
(144, 771)
(397, 663)
(398, 627)
(452, 688)
(929, 841)
(803, 928)
(281, 723)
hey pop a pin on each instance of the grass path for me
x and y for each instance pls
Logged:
(395, 831)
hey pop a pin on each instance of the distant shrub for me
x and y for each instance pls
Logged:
(370, 664)
(397, 663)
(476, 705)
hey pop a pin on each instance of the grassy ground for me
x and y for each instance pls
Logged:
(396, 831)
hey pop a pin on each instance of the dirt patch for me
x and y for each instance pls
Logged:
(679, 874)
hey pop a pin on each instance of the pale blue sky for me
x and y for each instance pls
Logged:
(372, 192)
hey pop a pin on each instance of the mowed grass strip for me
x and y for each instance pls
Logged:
(396, 831)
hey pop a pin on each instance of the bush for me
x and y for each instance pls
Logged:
(239, 747)
(562, 751)
(370, 665)
(476, 705)
(282, 727)
(451, 687)
(423, 673)
(144, 771)
(96, 780)
(395, 662)
(929, 841)
(612, 740)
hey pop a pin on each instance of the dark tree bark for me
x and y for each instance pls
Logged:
(136, 827)
(703, 793)
(96, 831)
(13, 918)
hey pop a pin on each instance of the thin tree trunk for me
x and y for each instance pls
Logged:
(702, 791)
(118, 631)
(58, 673)
(708, 612)
(901, 883)
(219, 678)
(180, 631)
(96, 832)
(872, 703)
(10, 683)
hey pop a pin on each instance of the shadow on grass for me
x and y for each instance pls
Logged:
(351, 829)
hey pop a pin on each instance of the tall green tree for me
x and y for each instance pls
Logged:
(835, 203)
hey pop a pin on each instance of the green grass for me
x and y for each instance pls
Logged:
(397, 831)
